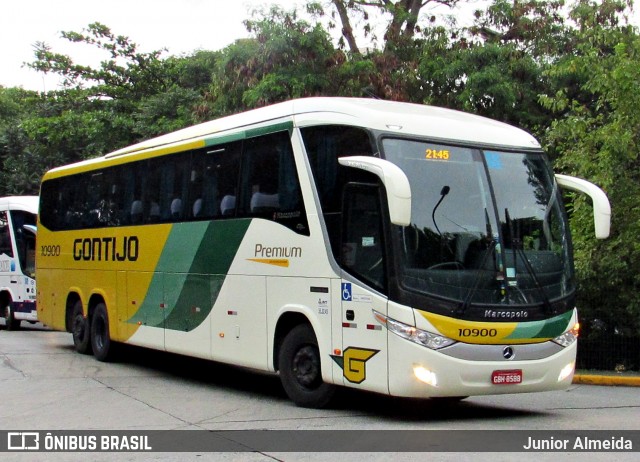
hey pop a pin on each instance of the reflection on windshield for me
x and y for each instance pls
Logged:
(487, 227)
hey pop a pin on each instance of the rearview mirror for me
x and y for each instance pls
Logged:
(395, 182)
(601, 206)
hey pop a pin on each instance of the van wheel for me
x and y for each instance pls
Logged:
(80, 330)
(300, 371)
(100, 338)
(10, 321)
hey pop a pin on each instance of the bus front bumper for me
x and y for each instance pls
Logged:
(25, 311)
(422, 373)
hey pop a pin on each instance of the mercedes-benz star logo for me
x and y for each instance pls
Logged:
(508, 353)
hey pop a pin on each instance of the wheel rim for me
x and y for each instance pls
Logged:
(306, 367)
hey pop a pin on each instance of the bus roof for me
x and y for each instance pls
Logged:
(26, 203)
(390, 116)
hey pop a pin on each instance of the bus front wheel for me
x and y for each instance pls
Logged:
(100, 338)
(10, 321)
(80, 330)
(300, 370)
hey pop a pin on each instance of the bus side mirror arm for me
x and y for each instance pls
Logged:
(601, 206)
(395, 182)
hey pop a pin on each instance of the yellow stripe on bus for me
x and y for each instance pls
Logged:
(486, 333)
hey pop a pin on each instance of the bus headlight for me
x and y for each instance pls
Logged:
(413, 334)
(569, 336)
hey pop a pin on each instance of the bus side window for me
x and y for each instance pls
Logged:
(259, 177)
(270, 187)
(5, 236)
(214, 179)
(324, 144)
(23, 231)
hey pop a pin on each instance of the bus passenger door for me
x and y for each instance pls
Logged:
(364, 342)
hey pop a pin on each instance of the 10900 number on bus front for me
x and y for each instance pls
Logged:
(477, 332)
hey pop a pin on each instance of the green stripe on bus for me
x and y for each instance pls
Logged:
(222, 139)
(188, 279)
(549, 328)
(215, 140)
(280, 127)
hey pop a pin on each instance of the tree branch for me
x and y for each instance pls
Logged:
(347, 29)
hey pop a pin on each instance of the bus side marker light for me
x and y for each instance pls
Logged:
(221, 335)
(425, 375)
(337, 352)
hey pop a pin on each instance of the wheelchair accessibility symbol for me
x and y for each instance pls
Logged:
(346, 292)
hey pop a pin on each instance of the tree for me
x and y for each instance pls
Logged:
(402, 26)
(536, 27)
(495, 67)
(20, 162)
(388, 72)
(126, 74)
(595, 136)
(286, 58)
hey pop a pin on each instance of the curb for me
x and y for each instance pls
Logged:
(611, 380)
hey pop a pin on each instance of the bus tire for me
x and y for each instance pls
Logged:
(100, 338)
(11, 322)
(300, 370)
(80, 330)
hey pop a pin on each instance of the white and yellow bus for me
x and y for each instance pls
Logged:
(18, 215)
(390, 247)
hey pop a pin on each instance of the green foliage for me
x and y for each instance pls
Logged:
(125, 73)
(497, 81)
(287, 58)
(596, 137)
(129, 96)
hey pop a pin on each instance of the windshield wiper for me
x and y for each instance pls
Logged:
(517, 248)
(476, 281)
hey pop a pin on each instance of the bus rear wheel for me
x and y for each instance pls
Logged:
(100, 338)
(80, 330)
(10, 321)
(300, 370)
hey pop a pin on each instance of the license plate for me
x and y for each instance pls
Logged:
(506, 377)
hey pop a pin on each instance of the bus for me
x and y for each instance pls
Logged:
(397, 248)
(18, 216)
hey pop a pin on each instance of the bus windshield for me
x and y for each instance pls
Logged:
(487, 227)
